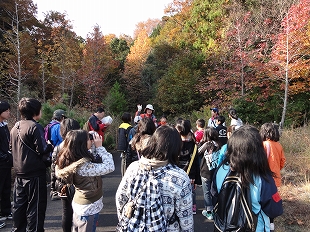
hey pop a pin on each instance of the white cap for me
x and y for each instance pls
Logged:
(150, 107)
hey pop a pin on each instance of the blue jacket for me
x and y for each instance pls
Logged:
(55, 134)
(263, 223)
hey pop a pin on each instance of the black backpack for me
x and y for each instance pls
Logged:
(233, 208)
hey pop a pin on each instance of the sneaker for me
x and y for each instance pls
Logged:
(194, 209)
(10, 216)
(271, 227)
(207, 214)
(55, 196)
(3, 218)
(2, 224)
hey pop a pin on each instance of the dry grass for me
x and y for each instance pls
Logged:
(295, 190)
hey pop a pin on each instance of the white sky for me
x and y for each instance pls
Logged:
(113, 16)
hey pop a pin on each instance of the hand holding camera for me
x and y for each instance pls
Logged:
(96, 138)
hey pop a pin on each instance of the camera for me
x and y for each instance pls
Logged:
(91, 134)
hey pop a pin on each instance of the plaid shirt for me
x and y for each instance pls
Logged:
(174, 188)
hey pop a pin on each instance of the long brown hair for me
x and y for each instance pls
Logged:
(74, 148)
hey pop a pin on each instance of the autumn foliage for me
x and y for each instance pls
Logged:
(253, 55)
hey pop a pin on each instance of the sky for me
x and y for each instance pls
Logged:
(112, 16)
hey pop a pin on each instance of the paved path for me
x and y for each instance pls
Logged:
(108, 218)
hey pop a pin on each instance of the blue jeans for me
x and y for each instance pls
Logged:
(206, 188)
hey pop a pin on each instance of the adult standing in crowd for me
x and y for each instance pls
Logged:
(28, 149)
(214, 115)
(5, 164)
(95, 123)
(148, 113)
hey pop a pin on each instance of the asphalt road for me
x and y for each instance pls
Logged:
(108, 218)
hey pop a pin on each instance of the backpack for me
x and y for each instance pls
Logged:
(86, 126)
(47, 130)
(233, 208)
(270, 200)
(144, 212)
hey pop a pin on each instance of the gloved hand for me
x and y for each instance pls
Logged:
(139, 107)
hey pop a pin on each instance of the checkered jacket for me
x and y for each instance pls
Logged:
(174, 188)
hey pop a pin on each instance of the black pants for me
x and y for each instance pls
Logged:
(67, 213)
(29, 204)
(5, 191)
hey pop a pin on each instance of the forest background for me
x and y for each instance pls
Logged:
(252, 55)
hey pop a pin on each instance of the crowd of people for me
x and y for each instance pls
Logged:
(206, 156)
(162, 165)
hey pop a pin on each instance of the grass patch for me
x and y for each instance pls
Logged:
(295, 189)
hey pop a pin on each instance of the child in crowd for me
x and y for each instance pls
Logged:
(214, 115)
(161, 158)
(200, 125)
(275, 154)
(235, 120)
(29, 149)
(208, 151)
(162, 121)
(123, 139)
(188, 149)
(133, 130)
(76, 165)
(221, 129)
(223, 150)
(246, 156)
(145, 129)
(59, 187)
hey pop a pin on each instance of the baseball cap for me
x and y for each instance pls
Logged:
(215, 109)
(59, 114)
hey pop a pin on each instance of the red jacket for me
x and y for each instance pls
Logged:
(95, 124)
